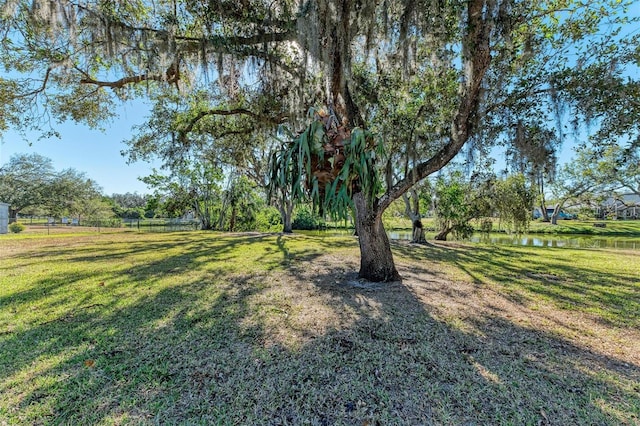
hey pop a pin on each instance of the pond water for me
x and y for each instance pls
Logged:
(533, 240)
(574, 241)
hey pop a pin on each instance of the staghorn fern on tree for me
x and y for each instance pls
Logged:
(327, 164)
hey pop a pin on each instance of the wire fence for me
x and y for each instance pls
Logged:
(161, 225)
(140, 225)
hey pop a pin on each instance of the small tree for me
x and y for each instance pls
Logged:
(458, 202)
(451, 210)
(513, 201)
(576, 181)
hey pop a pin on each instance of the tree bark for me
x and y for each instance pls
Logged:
(204, 216)
(412, 210)
(418, 232)
(376, 259)
(543, 210)
(222, 216)
(286, 213)
(443, 234)
(232, 221)
(556, 212)
(13, 215)
(543, 201)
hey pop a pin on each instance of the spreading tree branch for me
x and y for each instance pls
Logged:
(278, 119)
(40, 89)
(118, 84)
(478, 59)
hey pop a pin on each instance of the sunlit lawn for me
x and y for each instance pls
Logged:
(208, 328)
(606, 227)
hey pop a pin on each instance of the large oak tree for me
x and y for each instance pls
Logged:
(450, 67)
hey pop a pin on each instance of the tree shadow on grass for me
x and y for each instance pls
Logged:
(550, 274)
(303, 340)
(470, 366)
(98, 280)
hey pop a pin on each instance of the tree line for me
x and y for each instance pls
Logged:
(234, 202)
(32, 187)
(30, 183)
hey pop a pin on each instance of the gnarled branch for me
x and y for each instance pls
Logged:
(119, 84)
(278, 119)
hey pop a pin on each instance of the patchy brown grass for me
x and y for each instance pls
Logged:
(206, 328)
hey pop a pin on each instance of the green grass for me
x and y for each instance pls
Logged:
(612, 227)
(208, 328)
(603, 283)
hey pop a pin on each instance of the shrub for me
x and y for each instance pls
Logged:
(16, 227)
(305, 219)
(268, 220)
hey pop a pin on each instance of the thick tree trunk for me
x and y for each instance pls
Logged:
(543, 210)
(376, 259)
(442, 235)
(222, 217)
(418, 232)
(543, 202)
(554, 216)
(412, 210)
(205, 217)
(286, 213)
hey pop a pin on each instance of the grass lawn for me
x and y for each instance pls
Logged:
(209, 328)
(611, 227)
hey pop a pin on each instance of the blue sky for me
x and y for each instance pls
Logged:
(95, 152)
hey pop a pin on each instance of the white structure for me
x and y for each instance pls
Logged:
(625, 206)
(4, 218)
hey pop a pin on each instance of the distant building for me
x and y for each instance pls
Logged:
(4, 218)
(625, 206)
(562, 215)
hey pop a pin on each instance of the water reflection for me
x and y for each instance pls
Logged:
(558, 241)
